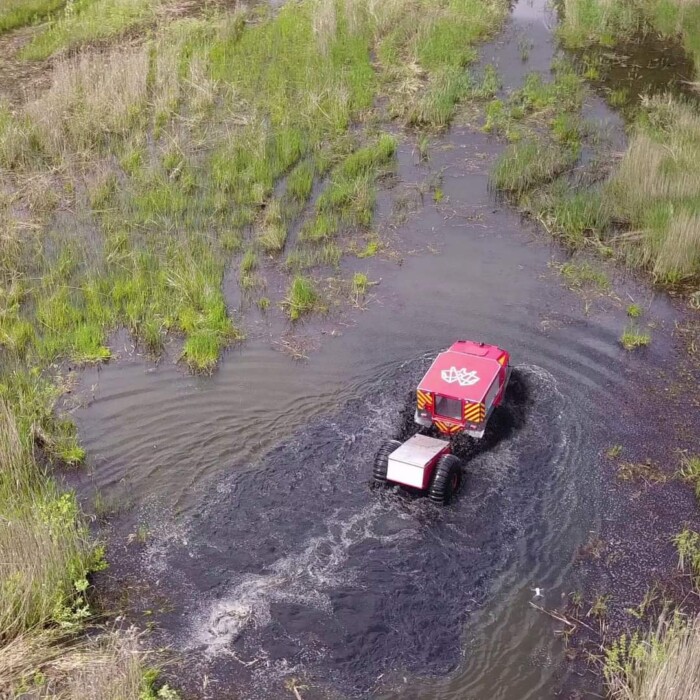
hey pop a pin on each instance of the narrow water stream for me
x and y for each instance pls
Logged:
(268, 557)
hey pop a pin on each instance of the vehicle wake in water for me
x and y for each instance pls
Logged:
(296, 568)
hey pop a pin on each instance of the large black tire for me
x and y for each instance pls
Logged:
(446, 480)
(381, 462)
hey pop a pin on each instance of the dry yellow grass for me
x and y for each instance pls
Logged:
(92, 96)
(665, 666)
(44, 665)
(656, 189)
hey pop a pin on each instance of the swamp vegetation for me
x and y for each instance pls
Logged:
(146, 168)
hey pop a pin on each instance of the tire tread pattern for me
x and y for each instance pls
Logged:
(440, 490)
(381, 461)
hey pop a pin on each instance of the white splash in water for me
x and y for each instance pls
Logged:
(303, 577)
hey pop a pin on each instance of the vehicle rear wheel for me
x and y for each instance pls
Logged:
(446, 480)
(381, 462)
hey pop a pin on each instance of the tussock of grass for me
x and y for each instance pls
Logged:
(18, 13)
(305, 257)
(436, 108)
(690, 472)
(273, 233)
(301, 298)
(349, 198)
(633, 337)
(573, 215)
(634, 311)
(300, 182)
(90, 102)
(529, 164)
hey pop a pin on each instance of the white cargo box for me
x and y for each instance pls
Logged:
(408, 464)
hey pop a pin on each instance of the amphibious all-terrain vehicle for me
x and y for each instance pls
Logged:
(457, 395)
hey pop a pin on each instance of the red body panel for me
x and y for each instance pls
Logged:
(465, 372)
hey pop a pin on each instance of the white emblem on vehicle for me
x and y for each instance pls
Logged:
(464, 378)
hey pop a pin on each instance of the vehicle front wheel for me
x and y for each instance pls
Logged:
(446, 480)
(381, 462)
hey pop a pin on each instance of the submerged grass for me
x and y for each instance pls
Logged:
(608, 22)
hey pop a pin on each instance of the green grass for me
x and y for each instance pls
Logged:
(18, 13)
(370, 250)
(348, 199)
(529, 164)
(633, 337)
(655, 191)
(301, 298)
(690, 472)
(687, 543)
(88, 21)
(614, 452)
(300, 181)
(47, 550)
(273, 229)
(634, 310)
(306, 257)
(574, 216)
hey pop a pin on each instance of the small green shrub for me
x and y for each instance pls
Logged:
(634, 311)
(301, 297)
(633, 337)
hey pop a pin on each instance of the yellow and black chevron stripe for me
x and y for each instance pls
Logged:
(424, 400)
(447, 428)
(474, 412)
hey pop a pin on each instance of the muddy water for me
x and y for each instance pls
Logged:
(268, 558)
(645, 66)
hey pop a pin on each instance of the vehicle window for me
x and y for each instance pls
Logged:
(450, 408)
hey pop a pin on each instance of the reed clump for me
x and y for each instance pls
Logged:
(662, 665)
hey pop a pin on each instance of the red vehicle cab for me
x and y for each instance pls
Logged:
(458, 394)
(462, 387)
